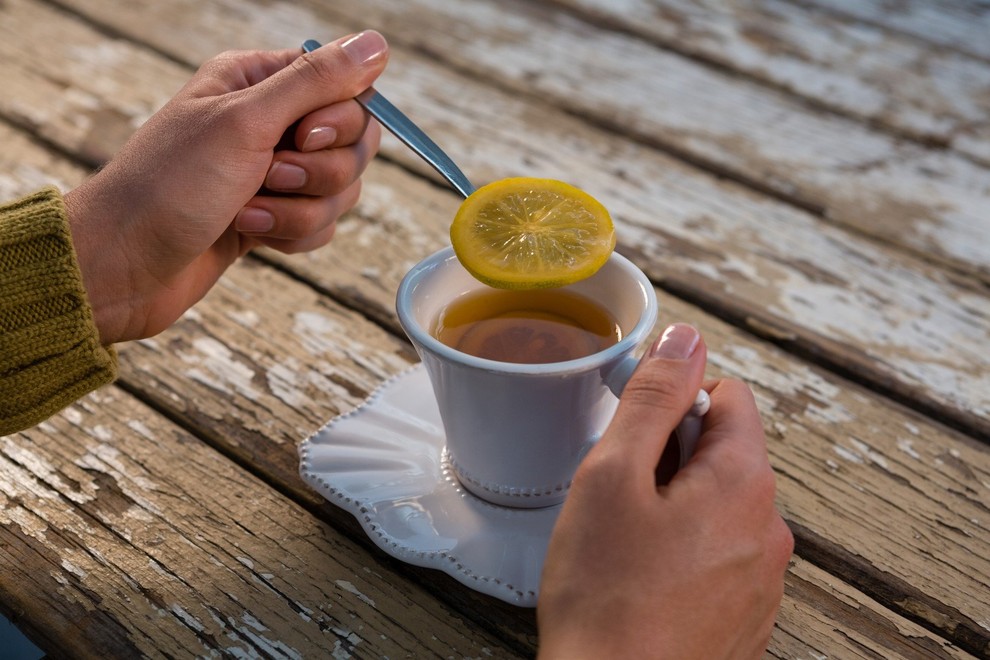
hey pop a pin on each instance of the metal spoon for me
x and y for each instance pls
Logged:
(409, 133)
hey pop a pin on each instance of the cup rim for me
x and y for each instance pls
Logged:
(422, 336)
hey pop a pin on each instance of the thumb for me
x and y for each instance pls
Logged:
(335, 72)
(659, 394)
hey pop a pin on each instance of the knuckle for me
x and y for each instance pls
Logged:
(334, 178)
(763, 483)
(652, 387)
(313, 68)
(782, 543)
(236, 113)
(217, 63)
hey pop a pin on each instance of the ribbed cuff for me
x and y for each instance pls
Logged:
(50, 351)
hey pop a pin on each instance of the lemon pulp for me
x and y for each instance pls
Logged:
(530, 233)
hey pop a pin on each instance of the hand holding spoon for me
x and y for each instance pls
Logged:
(409, 133)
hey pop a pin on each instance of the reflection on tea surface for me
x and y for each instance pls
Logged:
(530, 327)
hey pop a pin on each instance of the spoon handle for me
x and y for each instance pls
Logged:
(409, 133)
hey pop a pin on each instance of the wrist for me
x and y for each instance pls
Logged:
(102, 266)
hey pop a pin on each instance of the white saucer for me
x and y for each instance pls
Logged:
(384, 463)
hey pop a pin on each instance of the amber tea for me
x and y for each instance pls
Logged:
(530, 327)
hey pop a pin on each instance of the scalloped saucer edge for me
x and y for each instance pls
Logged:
(385, 463)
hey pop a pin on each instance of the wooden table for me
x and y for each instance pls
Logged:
(808, 182)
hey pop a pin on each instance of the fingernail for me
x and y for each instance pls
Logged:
(319, 138)
(364, 47)
(678, 342)
(254, 220)
(285, 176)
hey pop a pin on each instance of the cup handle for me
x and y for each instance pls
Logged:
(688, 432)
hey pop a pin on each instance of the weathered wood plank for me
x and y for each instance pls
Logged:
(264, 362)
(849, 463)
(264, 382)
(933, 95)
(818, 393)
(866, 631)
(283, 585)
(69, 107)
(891, 320)
(25, 166)
(961, 25)
(123, 536)
(829, 487)
(264, 370)
(926, 200)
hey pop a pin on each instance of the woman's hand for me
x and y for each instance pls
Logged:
(693, 569)
(257, 148)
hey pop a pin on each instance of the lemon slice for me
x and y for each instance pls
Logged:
(528, 233)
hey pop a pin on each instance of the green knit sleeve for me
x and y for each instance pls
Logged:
(50, 351)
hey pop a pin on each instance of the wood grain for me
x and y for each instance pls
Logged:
(958, 25)
(849, 462)
(928, 201)
(123, 536)
(896, 322)
(252, 373)
(867, 632)
(255, 372)
(885, 78)
(26, 165)
(131, 544)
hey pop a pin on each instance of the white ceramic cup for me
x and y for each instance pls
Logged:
(515, 433)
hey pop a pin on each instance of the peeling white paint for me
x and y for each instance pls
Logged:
(138, 426)
(799, 381)
(318, 333)
(339, 652)
(352, 638)
(13, 479)
(848, 455)
(253, 622)
(191, 314)
(285, 382)
(47, 427)
(73, 569)
(869, 453)
(25, 179)
(151, 344)
(73, 416)
(28, 523)
(907, 446)
(108, 459)
(349, 587)
(247, 318)
(268, 647)
(187, 618)
(217, 368)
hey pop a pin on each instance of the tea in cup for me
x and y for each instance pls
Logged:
(527, 327)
